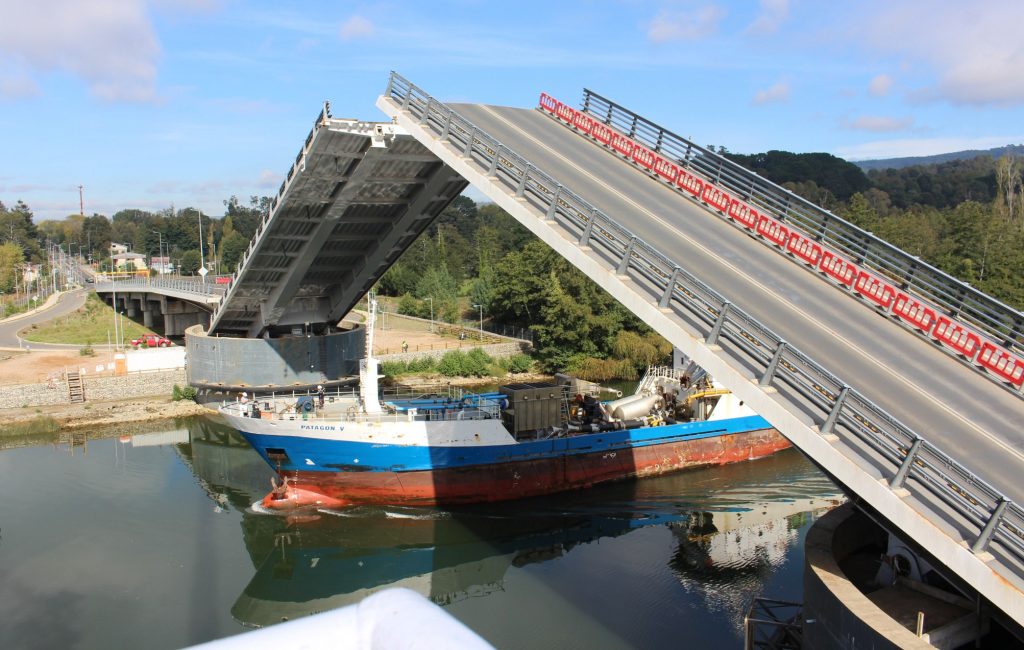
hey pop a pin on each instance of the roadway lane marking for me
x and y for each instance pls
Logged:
(796, 310)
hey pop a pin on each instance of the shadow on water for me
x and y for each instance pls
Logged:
(726, 530)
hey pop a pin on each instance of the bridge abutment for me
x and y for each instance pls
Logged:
(846, 607)
(269, 364)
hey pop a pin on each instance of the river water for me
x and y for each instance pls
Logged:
(150, 541)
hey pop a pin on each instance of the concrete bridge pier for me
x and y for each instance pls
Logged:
(292, 362)
(148, 316)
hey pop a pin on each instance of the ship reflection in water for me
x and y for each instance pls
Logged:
(704, 540)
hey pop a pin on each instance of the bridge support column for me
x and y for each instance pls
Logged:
(266, 364)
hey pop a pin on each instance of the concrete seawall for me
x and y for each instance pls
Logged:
(139, 384)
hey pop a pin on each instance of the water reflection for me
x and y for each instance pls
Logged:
(728, 529)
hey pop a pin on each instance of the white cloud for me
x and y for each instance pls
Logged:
(17, 85)
(355, 27)
(899, 148)
(110, 44)
(773, 13)
(269, 179)
(879, 124)
(879, 86)
(778, 92)
(685, 25)
(973, 49)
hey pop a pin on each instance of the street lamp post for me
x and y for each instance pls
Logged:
(481, 307)
(202, 256)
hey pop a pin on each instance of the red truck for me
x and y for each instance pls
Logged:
(151, 341)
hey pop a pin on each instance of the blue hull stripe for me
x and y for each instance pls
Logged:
(318, 454)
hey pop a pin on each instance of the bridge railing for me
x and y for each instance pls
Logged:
(959, 300)
(979, 512)
(184, 285)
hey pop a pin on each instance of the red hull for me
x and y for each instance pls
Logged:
(519, 480)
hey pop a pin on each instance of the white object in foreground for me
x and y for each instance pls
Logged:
(397, 619)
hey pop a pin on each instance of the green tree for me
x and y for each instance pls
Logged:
(231, 249)
(190, 262)
(11, 258)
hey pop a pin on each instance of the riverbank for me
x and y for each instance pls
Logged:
(435, 379)
(43, 419)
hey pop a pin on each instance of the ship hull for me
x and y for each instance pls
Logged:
(457, 475)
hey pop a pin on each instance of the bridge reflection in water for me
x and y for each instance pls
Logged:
(670, 549)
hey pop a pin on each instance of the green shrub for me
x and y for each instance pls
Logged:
(452, 364)
(179, 393)
(86, 350)
(477, 363)
(518, 363)
(394, 368)
(422, 364)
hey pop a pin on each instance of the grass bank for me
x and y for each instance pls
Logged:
(88, 325)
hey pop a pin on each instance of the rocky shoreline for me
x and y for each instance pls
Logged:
(97, 414)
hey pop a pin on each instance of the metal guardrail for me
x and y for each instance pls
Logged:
(910, 461)
(185, 285)
(960, 300)
(261, 230)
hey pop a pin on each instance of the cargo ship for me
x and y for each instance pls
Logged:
(524, 440)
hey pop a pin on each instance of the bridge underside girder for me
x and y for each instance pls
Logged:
(355, 204)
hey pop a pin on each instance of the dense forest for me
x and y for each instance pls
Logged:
(966, 217)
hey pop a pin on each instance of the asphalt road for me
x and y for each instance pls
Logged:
(965, 414)
(67, 303)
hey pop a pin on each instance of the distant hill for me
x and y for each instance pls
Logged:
(900, 163)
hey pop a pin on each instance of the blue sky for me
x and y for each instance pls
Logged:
(152, 102)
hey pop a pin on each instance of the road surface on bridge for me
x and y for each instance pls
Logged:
(972, 419)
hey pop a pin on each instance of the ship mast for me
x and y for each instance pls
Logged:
(368, 365)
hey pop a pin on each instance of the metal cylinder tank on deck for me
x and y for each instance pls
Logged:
(635, 406)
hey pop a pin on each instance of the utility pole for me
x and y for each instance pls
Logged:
(81, 202)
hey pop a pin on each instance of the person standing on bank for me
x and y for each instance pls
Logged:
(320, 394)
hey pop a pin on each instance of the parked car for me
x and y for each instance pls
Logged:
(152, 341)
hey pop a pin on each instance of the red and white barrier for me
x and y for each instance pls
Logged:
(549, 103)
(772, 230)
(715, 197)
(565, 112)
(644, 157)
(805, 249)
(1001, 363)
(877, 291)
(622, 144)
(913, 311)
(601, 132)
(836, 267)
(957, 337)
(690, 183)
(583, 122)
(665, 169)
(743, 214)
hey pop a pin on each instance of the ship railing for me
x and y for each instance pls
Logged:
(285, 410)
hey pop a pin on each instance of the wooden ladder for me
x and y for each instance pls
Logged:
(76, 389)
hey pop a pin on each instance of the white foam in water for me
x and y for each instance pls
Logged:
(338, 513)
(408, 515)
(257, 508)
